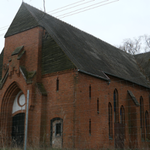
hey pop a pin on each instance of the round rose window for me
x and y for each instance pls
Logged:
(21, 100)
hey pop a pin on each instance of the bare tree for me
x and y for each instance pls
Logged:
(136, 45)
(131, 46)
(147, 42)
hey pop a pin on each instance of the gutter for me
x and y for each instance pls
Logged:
(126, 80)
(108, 79)
(94, 75)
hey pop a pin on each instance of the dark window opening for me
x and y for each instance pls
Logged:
(58, 129)
(116, 114)
(122, 115)
(98, 106)
(110, 121)
(122, 120)
(141, 112)
(147, 124)
(90, 127)
(90, 91)
(57, 85)
(142, 118)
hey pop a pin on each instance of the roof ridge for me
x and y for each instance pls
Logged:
(13, 29)
(25, 4)
(66, 24)
(85, 51)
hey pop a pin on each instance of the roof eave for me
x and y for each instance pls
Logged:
(126, 80)
(94, 75)
(22, 31)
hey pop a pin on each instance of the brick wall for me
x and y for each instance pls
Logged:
(31, 40)
(71, 102)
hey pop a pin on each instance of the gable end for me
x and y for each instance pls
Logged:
(53, 58)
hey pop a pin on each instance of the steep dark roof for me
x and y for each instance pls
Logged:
(53, 58)
(86, 52)
(143, 60)
(22, 21)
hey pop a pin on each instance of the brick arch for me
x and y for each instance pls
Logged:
(6, 110)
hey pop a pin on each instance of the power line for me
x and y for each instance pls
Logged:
(4, 28)
(2, 34)
(83, 8)
(66, 6)
(69, 13)
(1, 28)
(65, 15)
(74, 6)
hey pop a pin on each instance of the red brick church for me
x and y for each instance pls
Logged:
(84, 92)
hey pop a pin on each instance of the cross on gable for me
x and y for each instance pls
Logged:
(14, 62)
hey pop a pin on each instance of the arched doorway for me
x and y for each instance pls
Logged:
(10, 108)
(18, 129)
(18, 119)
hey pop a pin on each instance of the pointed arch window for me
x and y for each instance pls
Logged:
(122, 120)
(147, 124)
(142, 118)
(116, 115)
(122, 115)
(110, 123)
(141, 112)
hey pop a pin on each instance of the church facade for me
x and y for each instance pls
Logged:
(83, 92)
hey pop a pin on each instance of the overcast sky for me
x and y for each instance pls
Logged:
(110, 20)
